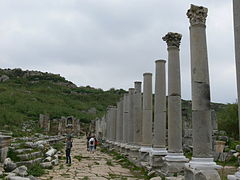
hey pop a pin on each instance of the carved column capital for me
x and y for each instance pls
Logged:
(173, 39)
(197, 15)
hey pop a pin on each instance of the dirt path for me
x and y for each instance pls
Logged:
(97, 166)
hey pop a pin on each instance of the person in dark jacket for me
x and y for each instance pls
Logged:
(88, 138)
(68, 150)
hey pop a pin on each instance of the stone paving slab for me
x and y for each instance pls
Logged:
(90, 167)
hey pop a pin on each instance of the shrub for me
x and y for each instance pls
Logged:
(36, 170)
(228, 120)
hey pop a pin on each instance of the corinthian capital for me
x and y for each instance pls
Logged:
(197, 14)
(173, 39)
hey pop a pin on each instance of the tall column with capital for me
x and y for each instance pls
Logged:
(146, 145)
(201, 113)
(236, 17)
(175, 158)
(159, 135)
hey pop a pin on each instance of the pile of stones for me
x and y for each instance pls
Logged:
(27, 151)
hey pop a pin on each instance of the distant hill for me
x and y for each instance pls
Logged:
(26, 94)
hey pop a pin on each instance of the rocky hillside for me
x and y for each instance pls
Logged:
(26, 94)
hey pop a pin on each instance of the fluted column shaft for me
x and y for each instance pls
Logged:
(159, 139)
(147, 110)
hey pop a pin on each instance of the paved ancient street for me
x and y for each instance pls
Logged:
(97, 166)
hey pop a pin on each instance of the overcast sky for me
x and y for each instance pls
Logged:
(111, 43)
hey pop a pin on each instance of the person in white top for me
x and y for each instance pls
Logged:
(91, 143)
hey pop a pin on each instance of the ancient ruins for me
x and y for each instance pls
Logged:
(131, 129)
(153, 130)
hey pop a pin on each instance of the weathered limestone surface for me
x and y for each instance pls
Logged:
(200, 83)
(113, 122)
(159, 135)
(159, 139)
(4, 143)
(147, 110)
(175, 159)
(119, 124)
(146, 144)
(131, 127)
(202, 160)
(125, 118)
(138, 113)
(236, 15)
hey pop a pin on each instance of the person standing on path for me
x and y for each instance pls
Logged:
(92, 144)
(68, 150)
(88, 138)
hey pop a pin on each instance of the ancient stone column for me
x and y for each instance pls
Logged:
(119, 125)
(125, 118)
(175, 158)
(201, 113)
(146, 145)
(108, 125)
(159, 135)
(137, 113)
(236, 17)
(114, 119)
(131, 116)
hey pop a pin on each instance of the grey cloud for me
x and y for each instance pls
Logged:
(112, 43)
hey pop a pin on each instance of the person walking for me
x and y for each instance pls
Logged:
(88, 138)
(92, 144)
(68, 150)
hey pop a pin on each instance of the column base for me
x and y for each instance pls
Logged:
(236, 176)
(134, 153)
(156, 157)
(144, 155)
(117, 146)
(174, 164)
(202, 168)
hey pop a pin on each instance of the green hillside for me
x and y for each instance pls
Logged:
(26, 94)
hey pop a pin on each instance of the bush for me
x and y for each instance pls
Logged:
(228, 120)
(36, 170)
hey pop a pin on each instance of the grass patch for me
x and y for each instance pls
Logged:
(13, 155)
(231, 162)
(58, 146)
(36, 170)
(79, 158)
(85, 178)
(138, 172)
(61, 166)
(109, 162)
